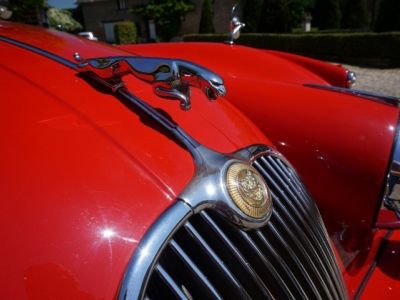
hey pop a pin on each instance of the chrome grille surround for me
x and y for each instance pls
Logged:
(200, 252)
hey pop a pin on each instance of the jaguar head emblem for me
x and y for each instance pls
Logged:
(248, 190)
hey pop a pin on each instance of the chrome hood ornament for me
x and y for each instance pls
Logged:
(252, 207)
(235, 25)
(170, 78)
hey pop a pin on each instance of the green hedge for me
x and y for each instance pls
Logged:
(125, 32)
(370, 49)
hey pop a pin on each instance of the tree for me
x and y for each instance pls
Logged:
(125, 32)
(166, 14)
(27, 11)
(326, 14)
(206, 20)
(388, 18)
(275, 16)
(355, 15)
(298, 9)
(251, 14)
(62, 19)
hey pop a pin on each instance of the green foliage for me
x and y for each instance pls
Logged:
(167, 15)
(251, 14)
(206, 20)
(26, 11)
(63, 18)
(388, 18)
(125, 33)
(355, 15)
(275, 16)
(374, 49)
(297, 9)
(326, 14)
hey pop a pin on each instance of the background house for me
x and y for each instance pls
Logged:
(99, 16)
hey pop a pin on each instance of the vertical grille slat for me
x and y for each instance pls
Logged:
(217, 261)
(195, 270)
(290, 257)
(311, 223)
(302, 221)
(238, 255)
(284, 266)
(304, 252)
(306, 219)
(306, 198)
(283, 287)
(171, 283)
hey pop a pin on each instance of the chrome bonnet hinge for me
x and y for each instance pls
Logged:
(170, 78)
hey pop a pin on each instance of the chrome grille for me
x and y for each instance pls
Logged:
(289, 258)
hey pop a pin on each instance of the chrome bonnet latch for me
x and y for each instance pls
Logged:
(170, 78)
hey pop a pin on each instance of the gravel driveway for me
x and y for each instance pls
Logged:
(385, 81)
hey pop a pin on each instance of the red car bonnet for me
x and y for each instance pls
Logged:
(83, 176)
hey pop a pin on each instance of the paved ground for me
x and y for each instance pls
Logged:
(385, 81)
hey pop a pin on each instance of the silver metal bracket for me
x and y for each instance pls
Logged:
(170, 78)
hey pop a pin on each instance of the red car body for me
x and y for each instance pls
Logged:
(83, 178)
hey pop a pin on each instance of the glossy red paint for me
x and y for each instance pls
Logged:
(387, 219)
(340, 144)
(384, 282)
(361, 261)
(334, 74)
(83, 177)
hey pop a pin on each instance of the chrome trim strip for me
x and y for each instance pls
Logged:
(168, 124)
(149, 249)
(39, 51)
(389, 100)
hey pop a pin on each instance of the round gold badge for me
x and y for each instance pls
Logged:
(248, 190)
